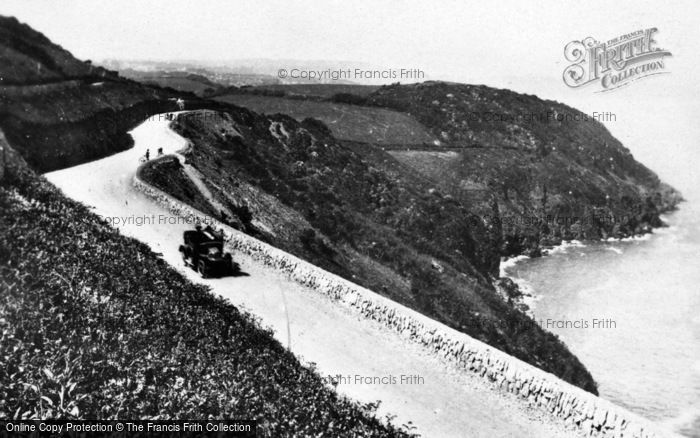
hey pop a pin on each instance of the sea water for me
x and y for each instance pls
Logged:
(630, 311)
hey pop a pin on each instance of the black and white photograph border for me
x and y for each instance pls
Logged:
(347, 218)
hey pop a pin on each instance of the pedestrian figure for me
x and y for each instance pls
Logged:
(148, 154)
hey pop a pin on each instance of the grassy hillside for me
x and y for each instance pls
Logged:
(347, 122)
(555, 172)
(310, 91)
(29, 57)
(354, 210)
(177, 80)
(538, 171)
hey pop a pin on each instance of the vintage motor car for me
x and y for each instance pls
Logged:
(203, 251)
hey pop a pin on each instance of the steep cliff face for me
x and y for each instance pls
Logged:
(552, 171)
(99, 131)
(30, 57)
(58, 111)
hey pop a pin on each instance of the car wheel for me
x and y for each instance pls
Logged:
(183, 252)
(202, 269)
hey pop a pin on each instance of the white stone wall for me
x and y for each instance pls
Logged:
(593, 415)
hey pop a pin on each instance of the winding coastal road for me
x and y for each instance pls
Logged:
(439, 399)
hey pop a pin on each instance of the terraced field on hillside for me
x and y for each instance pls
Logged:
(347, 122)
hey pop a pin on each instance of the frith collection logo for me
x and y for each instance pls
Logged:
(614, 63)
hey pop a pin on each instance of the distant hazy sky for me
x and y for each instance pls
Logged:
(513, 44)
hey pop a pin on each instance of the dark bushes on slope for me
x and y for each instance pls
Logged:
(95, 325)
(382, 225)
